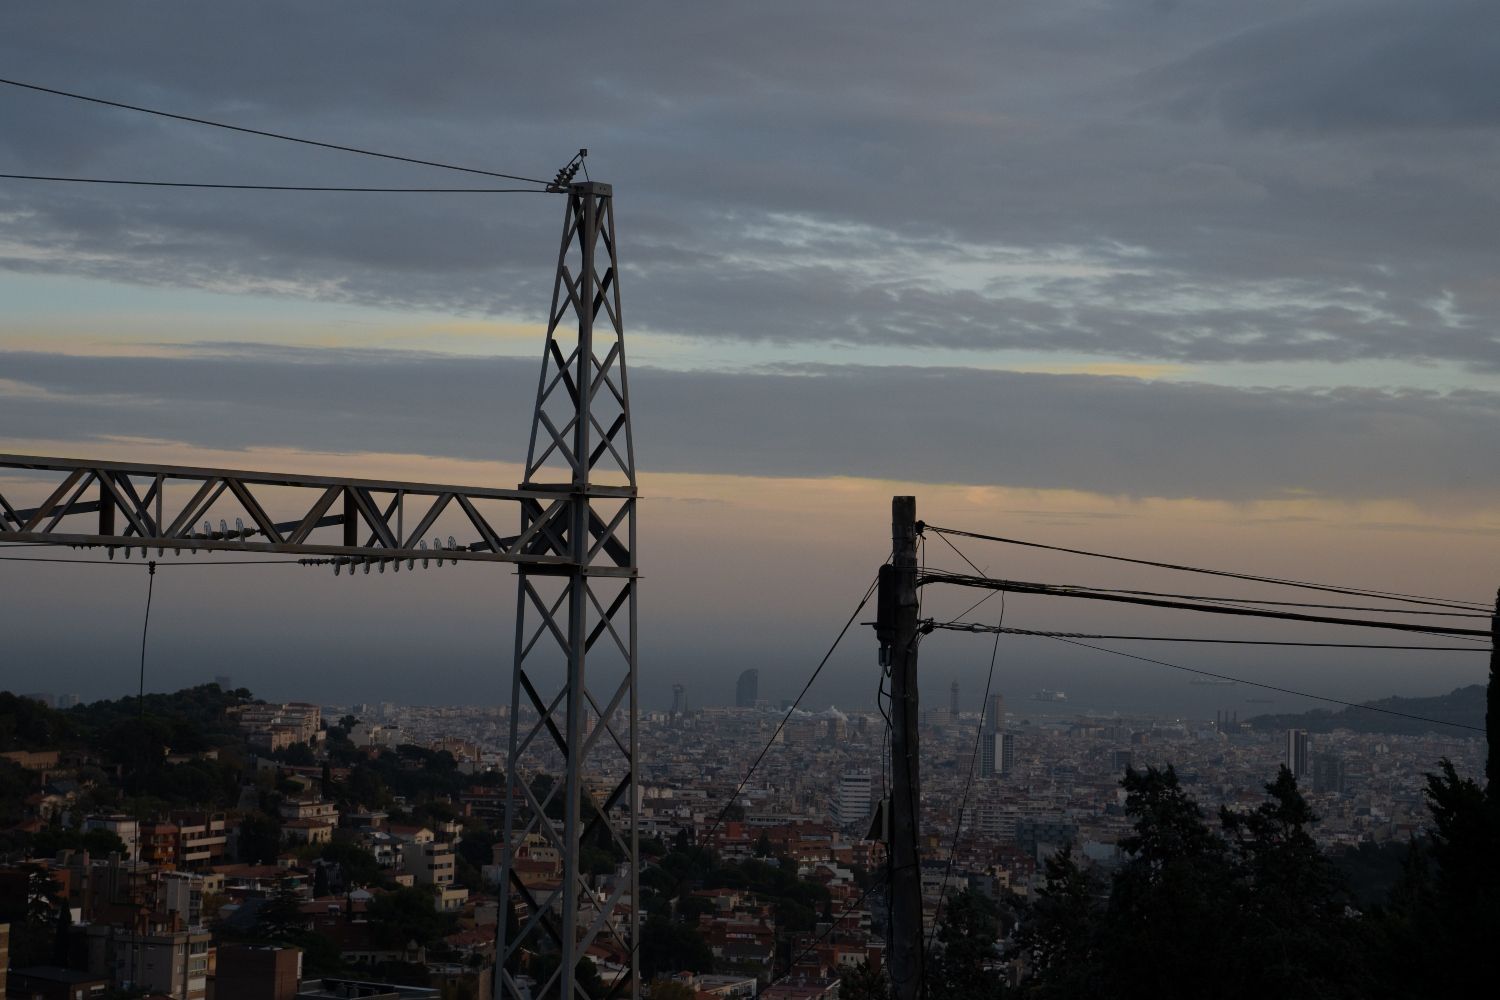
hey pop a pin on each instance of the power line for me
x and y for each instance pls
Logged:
(1291, 604)
(782, 724)
(1269, 687)
(141, 726)
(1050, 590)
(980, 627)
(145, 625)
(1330, 588)
(981, 572)
(265, 134)
(272, 187)
(963, 804)
(824, 936)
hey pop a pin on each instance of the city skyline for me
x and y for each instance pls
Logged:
(982, 499)
(1208, 370)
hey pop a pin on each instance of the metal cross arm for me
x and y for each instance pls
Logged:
(130, 505)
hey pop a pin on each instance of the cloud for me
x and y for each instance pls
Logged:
(1347, 67)
(1038, 178)
(1100, 434)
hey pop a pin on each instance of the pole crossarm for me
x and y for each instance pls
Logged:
(120, 505)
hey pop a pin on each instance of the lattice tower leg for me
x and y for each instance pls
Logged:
(574, 675)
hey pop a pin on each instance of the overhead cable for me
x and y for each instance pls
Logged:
(265, 134)
(833, 926)
(1271, 687)
(1329, 588)
(782, 724)
(1292, 604)
(145, 627)
(980, 627)
(963, 803)
(272, 187)
(1025, 587)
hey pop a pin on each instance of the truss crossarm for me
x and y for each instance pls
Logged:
(80, 502)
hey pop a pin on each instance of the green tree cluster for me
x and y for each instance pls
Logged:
(1436, 936)
(1250, 909)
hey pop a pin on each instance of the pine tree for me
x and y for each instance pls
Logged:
(1058, 939)
(1168, 922)
(1296, 936)
(965, 965)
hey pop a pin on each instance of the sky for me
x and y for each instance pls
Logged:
(1211, 283)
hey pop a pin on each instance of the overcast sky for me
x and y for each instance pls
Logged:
(1212, 281)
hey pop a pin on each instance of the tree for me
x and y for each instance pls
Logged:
(32, 918)
(863, 982)
(357, 865)
(259, 838)
(281, 918)
(297, 754)
(964, 966)
(407, 914)
(544, 965)
(1437, 936)
(670, 947)
(690, 908)
(1166, 918)
(1058, 939)
(62, 943)
(670, 989)
(1256, 909)
(1290, 899)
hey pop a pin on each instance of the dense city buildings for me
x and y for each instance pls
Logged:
(280, 884)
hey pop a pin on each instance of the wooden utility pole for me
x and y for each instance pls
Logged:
(1492, 705)
(896, 628)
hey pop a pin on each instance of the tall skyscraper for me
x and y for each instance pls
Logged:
(747, 689)
(994, 714)
(953, 702)
(679, 700)
(997, 754)
(1297, 752)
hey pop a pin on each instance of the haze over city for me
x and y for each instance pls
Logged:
(1075, 274)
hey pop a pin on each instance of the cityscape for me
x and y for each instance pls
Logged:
(767, 501)
(307, 869)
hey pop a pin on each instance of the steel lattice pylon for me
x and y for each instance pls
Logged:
(576, 604)
(575, 647)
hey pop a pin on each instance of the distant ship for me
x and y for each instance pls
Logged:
(1047, 694)
(1213, 682)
